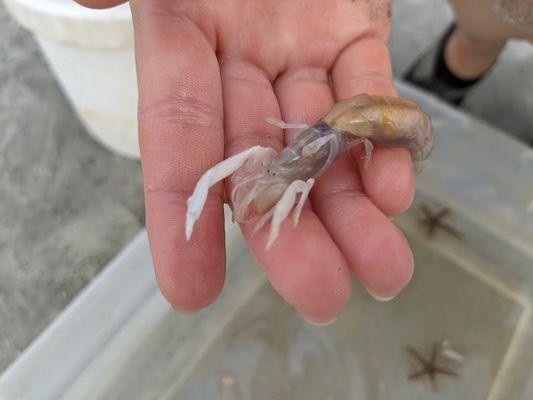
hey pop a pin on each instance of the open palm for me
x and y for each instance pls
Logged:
(209, 73)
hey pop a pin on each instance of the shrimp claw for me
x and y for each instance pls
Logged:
(285, 205)
(299, 207)
(219, 172)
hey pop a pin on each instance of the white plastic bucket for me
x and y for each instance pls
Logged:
(91, 53)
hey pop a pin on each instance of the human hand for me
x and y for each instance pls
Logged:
(208, 74)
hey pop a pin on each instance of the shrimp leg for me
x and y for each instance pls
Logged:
(284, 125)
(299, 207)
(219, 172)
(285, 205)
(317, 144)
(369, 147)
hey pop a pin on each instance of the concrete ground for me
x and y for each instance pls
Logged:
(67, 205)
(504, 98)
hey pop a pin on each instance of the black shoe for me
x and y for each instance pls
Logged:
(430, 72)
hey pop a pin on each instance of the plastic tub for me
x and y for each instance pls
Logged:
(477, 292)
(91, 53)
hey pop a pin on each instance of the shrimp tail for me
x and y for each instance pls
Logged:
(385, 120)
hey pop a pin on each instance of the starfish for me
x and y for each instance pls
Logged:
(433, 221)
(429, 366)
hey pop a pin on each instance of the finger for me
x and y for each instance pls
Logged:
(304, 265)
(100, 3)
(365, 67)
(375, 248)
(352, 220)
(181, 135)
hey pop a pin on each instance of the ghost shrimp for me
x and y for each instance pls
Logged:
(268, 184)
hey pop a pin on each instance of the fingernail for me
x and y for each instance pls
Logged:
(183, 311)
(319, 323)
(379, 298)
(382, 299)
